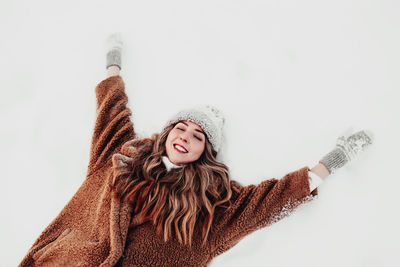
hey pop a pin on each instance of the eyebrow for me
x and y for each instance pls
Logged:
(200, 131)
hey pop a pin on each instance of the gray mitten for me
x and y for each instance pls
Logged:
(114, 49)
(346, 150)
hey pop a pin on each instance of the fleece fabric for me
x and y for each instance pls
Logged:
(93, 228)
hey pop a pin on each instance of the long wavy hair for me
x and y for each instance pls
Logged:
(181, 199)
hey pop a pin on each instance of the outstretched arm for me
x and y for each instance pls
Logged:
(113, 126)
(257, 206)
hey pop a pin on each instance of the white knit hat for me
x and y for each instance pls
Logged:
(209, 118)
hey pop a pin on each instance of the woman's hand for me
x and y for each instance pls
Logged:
(346, 150)
(114, 46)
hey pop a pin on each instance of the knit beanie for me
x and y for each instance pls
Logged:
(208, 117)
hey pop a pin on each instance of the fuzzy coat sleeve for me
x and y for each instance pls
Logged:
(254, 207)
(92, 227)
(113, 126)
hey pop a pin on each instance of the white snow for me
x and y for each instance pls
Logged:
(290, 76)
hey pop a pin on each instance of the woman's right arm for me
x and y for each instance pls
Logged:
(113, 126)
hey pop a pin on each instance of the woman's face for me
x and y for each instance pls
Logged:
(185, 143)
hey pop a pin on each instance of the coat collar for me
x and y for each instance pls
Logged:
(168, 164)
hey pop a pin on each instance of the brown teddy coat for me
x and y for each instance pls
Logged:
(93, 228)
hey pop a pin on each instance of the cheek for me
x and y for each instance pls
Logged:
(199, 149)
(172, 134)
(168, 142)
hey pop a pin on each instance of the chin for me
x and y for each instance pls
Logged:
(175, 161)
(179, 162)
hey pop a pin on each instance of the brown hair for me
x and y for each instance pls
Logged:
(182, 197)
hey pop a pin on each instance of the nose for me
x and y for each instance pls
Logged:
(184, 137)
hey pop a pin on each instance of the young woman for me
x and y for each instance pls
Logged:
(166, 200)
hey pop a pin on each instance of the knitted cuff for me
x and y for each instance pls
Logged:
(334, 160)
(113, 58)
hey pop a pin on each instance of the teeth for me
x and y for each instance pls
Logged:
(180, 148)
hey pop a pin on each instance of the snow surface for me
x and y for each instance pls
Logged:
(290, 76)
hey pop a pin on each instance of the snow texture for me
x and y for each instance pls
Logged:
(290, 77)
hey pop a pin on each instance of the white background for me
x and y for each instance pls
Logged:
(290, 76)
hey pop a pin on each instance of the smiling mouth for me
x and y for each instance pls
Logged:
(180, 149)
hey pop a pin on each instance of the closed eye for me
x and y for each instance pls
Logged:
(198, 138)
